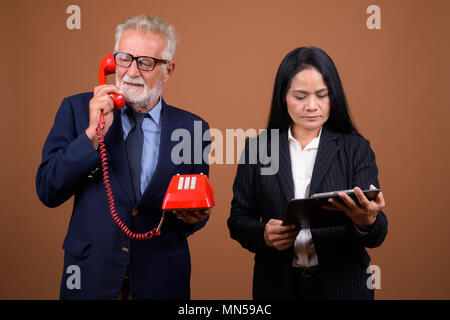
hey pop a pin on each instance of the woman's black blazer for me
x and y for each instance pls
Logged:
(343, 161)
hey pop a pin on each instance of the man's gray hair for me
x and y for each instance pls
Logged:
(148, 23)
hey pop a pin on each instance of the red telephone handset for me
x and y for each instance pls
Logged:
(108, 66)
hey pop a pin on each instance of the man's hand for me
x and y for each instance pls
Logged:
(101, 101)
(278, 236)
(192, 216)
(363, 213)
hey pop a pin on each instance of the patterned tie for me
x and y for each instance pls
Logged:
(134, 144)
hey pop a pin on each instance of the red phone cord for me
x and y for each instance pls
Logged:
(112, 207)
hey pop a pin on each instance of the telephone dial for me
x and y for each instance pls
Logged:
(176, 196)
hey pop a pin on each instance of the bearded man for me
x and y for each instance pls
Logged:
(101, 261)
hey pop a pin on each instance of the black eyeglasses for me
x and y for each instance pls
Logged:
(125, 60)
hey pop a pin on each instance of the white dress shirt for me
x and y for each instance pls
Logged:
(302, 162)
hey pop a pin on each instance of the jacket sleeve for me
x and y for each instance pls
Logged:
(67, 158)
(364, 172)
(244, 222)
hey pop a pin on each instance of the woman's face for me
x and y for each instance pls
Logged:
(307, 100)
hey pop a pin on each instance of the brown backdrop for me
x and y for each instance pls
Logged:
(396, 79)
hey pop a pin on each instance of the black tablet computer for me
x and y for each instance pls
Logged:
(299, 209)
(323, 197)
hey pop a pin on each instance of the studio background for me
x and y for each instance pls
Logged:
(395, 78)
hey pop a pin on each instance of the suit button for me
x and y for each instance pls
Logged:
(126, 250)
(134, 213)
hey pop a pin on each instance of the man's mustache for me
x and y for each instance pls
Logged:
(137, 80)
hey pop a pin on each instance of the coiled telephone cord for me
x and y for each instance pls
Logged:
(109, 194)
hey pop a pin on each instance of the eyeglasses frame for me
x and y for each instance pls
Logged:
(156, 60)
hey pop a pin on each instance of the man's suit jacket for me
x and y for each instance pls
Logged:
(159, 268)
(343, 161)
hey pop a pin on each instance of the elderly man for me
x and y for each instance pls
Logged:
(101, 261)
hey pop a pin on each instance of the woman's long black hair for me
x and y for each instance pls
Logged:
(296, 61)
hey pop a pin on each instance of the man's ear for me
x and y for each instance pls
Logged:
(168, 70)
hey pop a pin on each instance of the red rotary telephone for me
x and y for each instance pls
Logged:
(187, 191)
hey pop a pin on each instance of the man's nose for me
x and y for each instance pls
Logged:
(133, 70)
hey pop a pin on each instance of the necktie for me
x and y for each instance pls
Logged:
(134, 144)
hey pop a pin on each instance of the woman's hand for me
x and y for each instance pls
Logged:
(363, 213)
(192, 216)
(278, 236)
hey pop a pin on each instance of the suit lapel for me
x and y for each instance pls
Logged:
(285, 171)
(117, 156)
(328, 147)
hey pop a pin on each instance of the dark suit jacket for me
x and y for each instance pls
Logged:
(343, 162)
(158, 268)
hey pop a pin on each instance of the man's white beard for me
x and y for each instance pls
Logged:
(139, 97)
